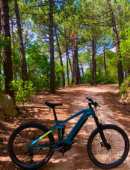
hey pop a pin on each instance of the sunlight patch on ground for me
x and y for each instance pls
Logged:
(4, 159)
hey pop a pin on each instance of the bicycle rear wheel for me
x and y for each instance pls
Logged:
(19, 146)
(119, 147)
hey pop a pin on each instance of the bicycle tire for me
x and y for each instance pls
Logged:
(14, 143)
(99, 158)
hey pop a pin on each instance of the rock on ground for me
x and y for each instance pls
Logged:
(7, 107)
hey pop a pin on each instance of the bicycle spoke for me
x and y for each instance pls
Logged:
(21, 146)
(101, 153)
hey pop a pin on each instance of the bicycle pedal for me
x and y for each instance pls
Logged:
(73, 141)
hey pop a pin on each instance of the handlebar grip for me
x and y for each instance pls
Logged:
(89, 99)
(92, 103)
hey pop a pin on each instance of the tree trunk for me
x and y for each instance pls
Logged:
(76, 59)
(128, 72)
(26, 39)
(104, 61)
(24, 66)
(67, 63)
(117, 42)
(51, 42)
(93, 59)
(12, 30)
(0, 52)
(95, 81)
(71, 69)
(67, 58)
(82, 70)
(91, 67)
(12, 38)
(7, 62)
(13, 52)
(0, 17)
(74, 68)
(63, 76)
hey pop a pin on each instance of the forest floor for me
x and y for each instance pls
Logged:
(112, 111)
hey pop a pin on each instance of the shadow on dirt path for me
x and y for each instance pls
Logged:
(74, 100)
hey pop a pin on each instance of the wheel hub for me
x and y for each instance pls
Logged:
(28, 145)
(107, 146)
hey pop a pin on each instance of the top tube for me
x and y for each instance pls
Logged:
(89, 111)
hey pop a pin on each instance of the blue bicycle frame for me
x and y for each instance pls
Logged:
(68, 140)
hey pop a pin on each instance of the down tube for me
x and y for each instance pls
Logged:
(78, 126)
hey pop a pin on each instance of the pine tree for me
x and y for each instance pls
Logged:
(7, 62)
(24, 66)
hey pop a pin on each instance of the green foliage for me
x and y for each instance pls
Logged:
(125, 85)
(3, 42)
(82, 80)
(22, 90)
(58, 74)
(2, 78)
(125, 48)
(87, 77)
(38, 66)
(82, 19)
(101, 78)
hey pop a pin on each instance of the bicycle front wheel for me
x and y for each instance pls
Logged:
(116, 154)
(19, 146)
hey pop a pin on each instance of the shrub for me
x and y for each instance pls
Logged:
(125, 85)
(22, 90)
(88, 77)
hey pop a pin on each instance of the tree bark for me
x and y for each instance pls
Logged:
(117, 42)
(73, 70)
(93, 63)
(93, 78)
(12, 31)
(7, 62)
(95, 81)
(76, 59)
(63, 76)
(13, 52)
(51, 42)
(0, 16)
(67, 58)
(0, 52)
(24, 66)
(104, 61)
(67, 63)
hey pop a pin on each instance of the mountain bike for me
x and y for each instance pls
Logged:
(32, 145)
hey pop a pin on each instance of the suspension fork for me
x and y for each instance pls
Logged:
(99, 125)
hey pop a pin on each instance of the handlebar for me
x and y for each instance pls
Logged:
(95, 104)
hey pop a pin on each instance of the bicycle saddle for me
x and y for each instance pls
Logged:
(52, 105)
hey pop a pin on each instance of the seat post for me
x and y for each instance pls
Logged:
(54, 113)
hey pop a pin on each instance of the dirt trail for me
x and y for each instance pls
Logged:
(73, 99)
(108, 117)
